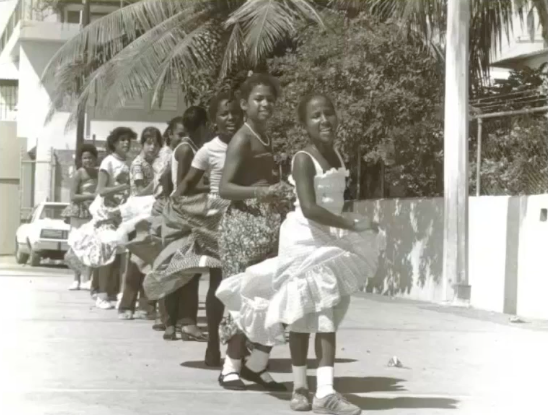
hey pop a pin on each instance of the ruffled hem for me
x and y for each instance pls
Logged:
(259, 309)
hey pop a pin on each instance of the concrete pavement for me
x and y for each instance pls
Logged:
(60, 355)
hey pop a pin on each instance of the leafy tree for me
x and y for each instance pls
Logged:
(153, 43)
(388, 90)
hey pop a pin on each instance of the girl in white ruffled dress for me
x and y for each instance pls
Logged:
(324, 257)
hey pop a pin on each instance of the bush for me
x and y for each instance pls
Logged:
(388, 91)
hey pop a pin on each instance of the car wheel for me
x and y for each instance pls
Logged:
(35, 259)
(20, 257)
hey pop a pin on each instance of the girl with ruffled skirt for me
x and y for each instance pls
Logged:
(249, 229)
(324, 257)
(84, 184)
(99, 243)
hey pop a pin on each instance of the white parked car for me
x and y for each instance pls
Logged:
(44, 236)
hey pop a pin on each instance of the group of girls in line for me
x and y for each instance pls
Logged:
(270, 269)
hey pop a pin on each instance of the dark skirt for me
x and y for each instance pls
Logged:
(248, 234)
(189, 243)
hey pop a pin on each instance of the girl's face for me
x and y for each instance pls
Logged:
(151, 148)
(176, 134)
(123, 145)
(259, 106)
(228, 118)
(321, 120)
(88, 160)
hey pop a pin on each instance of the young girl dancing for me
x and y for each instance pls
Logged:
(324, 257)
(250, 227)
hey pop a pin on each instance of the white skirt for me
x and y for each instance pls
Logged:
(97, 242)
(308, 286)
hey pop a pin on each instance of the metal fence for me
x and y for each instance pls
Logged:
(509, 152)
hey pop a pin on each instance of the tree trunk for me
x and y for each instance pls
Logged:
(455, 246)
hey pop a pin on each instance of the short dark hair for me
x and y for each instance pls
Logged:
(170, 127)
(259, 79)
(216, 100)
(87, 148)
(115, 135)
(194, 117)
(154, 133)
(301, 108)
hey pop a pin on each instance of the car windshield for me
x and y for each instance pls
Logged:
(52, 212)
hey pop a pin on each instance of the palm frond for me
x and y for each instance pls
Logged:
(109, 35)
(235, 51)
(265, 23)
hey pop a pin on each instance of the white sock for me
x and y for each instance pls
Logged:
(257, 362)
(325, 375)
(299, 377)
(231, 366)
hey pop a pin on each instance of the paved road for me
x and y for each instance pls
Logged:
(60, 355)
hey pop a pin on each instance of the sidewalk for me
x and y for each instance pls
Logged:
(60, 355)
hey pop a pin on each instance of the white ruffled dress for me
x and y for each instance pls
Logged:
(309, 284)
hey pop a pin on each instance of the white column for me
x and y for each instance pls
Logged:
(455, 248)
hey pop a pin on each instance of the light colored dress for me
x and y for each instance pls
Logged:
(96, 243)
(309, 284)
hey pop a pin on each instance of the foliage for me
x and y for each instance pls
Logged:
(151, 44)
(514, 156)
(515, 160)
(387, 89)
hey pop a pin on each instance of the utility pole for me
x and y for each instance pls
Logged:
(81, 123)
(455, 235)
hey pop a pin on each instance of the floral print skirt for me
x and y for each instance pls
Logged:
(248, 234)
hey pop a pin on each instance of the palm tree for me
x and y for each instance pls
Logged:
(150, 44)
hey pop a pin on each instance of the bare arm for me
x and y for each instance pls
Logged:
(238, 150)
(189, 184)
(303, 173)
(184, 156)
(75, 186)
(142, 190)
(103, 190)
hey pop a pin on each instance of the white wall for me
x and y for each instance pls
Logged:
(10, 151)
(508, 251)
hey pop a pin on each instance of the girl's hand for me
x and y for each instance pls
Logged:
(365, 224)
(123, 177)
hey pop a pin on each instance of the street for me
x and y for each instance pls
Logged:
(60, 355)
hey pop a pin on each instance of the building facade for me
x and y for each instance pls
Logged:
(29, 38)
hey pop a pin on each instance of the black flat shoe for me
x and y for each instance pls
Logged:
(212, 358)
(170, 333)
(254, 377)
(233, 385)
(158, 325)
(189, 337)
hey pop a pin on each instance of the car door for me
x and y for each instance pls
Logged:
(23, 232)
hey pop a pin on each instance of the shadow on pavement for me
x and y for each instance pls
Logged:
(382, 404)
(351, 386)
(275, 365)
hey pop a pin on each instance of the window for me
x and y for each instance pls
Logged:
(8, 99)
(73, 16)
(97, 16)
(52, 212)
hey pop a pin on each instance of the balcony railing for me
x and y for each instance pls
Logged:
(13, 21)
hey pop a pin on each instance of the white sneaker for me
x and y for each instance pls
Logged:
(86, 285)
(103, 304)
(75, 286)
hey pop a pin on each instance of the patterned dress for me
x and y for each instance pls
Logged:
(249, 232)
(309, 284)
(80, 210)
(97, 243)
(190, 242)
